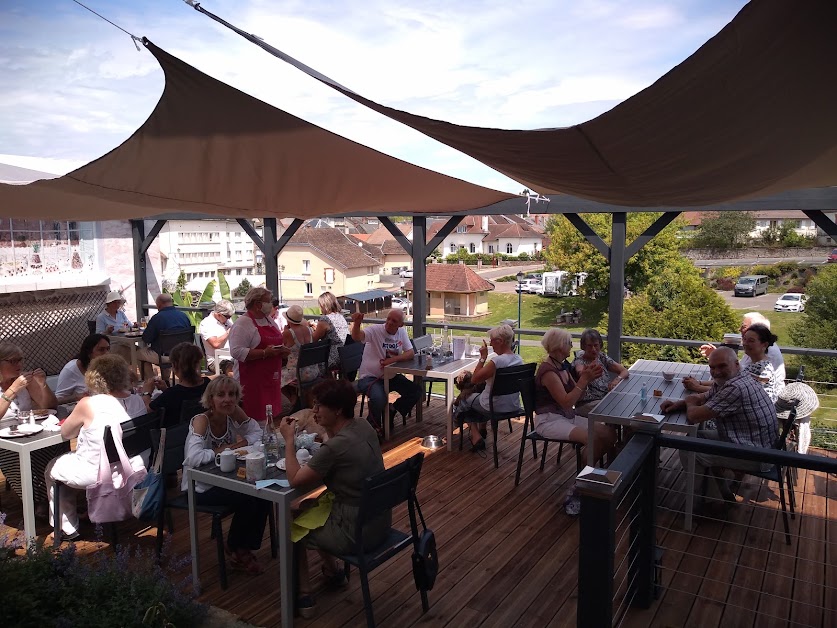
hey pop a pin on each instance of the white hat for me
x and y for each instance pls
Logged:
(799, 394)
(114, 295)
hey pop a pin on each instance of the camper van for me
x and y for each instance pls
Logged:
(560, 283)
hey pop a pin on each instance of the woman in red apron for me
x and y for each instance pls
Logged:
(257, 346)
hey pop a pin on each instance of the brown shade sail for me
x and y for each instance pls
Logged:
(751, 113)
(209, 148)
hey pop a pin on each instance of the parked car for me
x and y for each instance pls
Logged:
(523, 286)
(751, 286)
(535, 287)
(407, 273)
(402, 303)
(790, 302)
(833, 256)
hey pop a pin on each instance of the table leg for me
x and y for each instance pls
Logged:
(28, 496)
(449, 406)
(419, 380)
(286, 563)
(386, 406)
(690, 491)
(590, 461)
(193, 531)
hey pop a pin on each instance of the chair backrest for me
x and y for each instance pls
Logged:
(350, 358)
(199, 343)
(312, 353)
(528, 393)
(173, 454)
(509, 381)
(136, 433)
(168, 339)
(786, 428)
(188, 409)
(387, 489)
(422, 343)
(91, 326)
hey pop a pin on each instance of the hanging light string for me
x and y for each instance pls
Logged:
(137, 40)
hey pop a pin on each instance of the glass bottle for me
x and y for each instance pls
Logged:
(445, 340)
(269, 440)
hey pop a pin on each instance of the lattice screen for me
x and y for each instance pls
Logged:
(49, 325)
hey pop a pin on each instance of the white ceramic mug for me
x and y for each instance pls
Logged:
(255, 466)
(303, 456)
(225, 460)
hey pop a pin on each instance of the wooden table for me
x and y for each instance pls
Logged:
(622, 403)
(280, 497)
(24, 446)
(441, 371)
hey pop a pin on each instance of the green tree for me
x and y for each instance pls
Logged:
(817, 325)
(676, 304)
(242, 288)
(568, 250)
(724, 230)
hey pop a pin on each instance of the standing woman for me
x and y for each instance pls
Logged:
(71, 385)
(332, 325)
(222, 427)
(257, 346)
(22, 391)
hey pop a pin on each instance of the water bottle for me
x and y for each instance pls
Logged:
(445, 341)
(269, 440)
(643, 393)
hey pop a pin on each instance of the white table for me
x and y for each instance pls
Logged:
(445, 372)
(132, 342)
(622, 403)
(24, 446)
(280, 497)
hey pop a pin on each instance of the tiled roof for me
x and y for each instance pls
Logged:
(513, 230)
(391, 247)
(332, 244)
(453, 278)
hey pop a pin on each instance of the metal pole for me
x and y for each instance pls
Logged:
(519, 307)
(280, 269)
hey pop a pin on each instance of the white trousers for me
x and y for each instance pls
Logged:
(75, 473)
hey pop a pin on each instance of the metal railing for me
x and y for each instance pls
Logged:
(734, 567)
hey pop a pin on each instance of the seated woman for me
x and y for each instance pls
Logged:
(297, 333)
(557, 391)
(225, 426)
(501, 339)
(71, 385)
(591, 353)
(186, 364)
(332, 325)
(20, 392)
(342, 463)
(104, 376)
(112, 319)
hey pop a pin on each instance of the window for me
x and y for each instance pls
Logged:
(509, 248)
(452, 247)
(329, 275)
(306, 268)
(309, 289)
(490, 248)
(462, 229)
(473, 248)
(370, 270)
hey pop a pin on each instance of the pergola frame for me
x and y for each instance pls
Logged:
(813, 202)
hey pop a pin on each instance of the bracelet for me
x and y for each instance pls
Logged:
(6, 398)
(580, 388)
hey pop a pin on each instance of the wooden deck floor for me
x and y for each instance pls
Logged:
(509, 554)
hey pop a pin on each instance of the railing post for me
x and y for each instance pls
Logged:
(597, 546)
(643, 538)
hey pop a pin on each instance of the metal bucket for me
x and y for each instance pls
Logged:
(432, 442)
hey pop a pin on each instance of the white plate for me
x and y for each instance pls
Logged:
(30, 428)
(7, 432)
(280, 464)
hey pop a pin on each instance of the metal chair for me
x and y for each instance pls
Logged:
(91, 326)
(311, 354)
(527, 393)
(351, 356)
(382, 492)
(507, 381)
(167, 340)
(173, 456)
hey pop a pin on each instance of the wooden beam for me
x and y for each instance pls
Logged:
(823, 222)
(661, 223)
(443, 233)
(591, 236)
(396, 233)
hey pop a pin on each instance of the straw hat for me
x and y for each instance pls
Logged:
(797, 391)
(113, 295)
(294, 314)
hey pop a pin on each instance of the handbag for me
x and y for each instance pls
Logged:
(425, 557)
(147, 496)
(107, 503)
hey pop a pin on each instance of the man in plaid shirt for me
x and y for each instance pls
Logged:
(742, 412)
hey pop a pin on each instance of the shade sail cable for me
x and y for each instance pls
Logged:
(137, 40)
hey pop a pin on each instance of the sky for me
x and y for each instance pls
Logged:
(74, 87)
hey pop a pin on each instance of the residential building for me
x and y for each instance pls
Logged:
(505, 234)
(454, 291)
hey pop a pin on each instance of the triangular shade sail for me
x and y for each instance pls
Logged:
(751, 113)
(208, 148)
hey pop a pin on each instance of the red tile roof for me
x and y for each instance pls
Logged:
(343, 250)
(453, 278)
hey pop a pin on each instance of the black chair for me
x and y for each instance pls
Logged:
(91, 326)
(188, 409)
(422, 344)
(311, 354)
(168, 339)
(507, 381)
(381, 492)
(136, 438)
(527, 393)
(173, 456)
(775, 474)
(351, 355)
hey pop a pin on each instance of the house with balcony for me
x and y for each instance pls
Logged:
(454, 291)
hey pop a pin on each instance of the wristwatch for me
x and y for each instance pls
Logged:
(145, 394)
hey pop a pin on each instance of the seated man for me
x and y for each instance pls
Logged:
(215, 330)
(386, 344)
(165, 319)
(741, 409)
